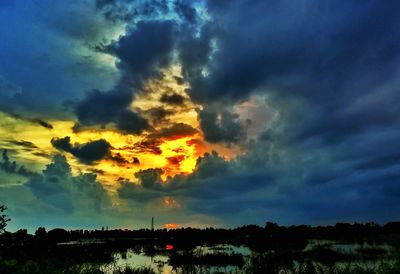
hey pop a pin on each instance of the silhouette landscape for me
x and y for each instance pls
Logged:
(341, 248)
(199, 136)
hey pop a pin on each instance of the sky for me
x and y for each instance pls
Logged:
(199, 113)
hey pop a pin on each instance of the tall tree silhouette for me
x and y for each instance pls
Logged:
(3, 219)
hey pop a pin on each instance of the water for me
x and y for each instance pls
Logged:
(223, 248)
(133, 258)
(347, 248)
(160, 262)
(158, 258)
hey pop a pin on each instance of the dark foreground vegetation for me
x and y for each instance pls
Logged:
(271, 249)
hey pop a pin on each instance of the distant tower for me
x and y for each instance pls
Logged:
(152, 224)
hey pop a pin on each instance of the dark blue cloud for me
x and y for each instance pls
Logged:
(87, 152)
(46, 56)
(186, 11)
(12, 167)
(173, 99)
(131, 11)
(328, 80)
(221, 126)
(328, 70)
(104, 108)
(145, 48)
(176, 130)
(57, 187)
(278, 44)
(142, 52)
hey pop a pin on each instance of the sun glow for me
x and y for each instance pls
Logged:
(181, 156)
(171, 226)
(173, 142)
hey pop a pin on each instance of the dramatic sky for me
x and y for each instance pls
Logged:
(199, 113)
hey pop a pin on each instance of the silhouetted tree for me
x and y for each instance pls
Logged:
(40, 233)
(271, 227)
(3, 219)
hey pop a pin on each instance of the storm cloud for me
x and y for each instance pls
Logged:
(175, 131)
(173, 99)
(142, 52)
(87, 152)
(221, 126)
(12, 167)
(325, 147)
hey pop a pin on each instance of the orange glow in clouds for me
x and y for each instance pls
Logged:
(173, 142)
(171, 226)
(181, 156)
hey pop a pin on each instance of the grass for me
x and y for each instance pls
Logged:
(32, 267)
(93, 269)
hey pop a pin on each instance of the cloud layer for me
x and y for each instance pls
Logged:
(300, 95)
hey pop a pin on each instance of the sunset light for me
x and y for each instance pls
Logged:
(174, 136)
(171, 226)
